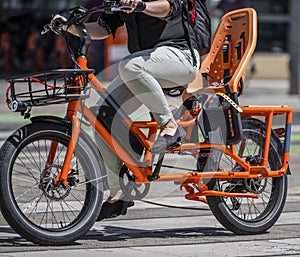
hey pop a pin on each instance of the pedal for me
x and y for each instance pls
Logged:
(175, 145)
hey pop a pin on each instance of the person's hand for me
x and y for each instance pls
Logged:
(136, 5)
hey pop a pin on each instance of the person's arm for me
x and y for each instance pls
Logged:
(158, 8)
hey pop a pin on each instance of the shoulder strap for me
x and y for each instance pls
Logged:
(185, 21)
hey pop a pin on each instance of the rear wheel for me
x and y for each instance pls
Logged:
(248, 215)
(36, 207)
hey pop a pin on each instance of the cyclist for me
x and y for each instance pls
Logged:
(160, 58)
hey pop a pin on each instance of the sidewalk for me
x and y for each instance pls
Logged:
(272, 93)
(269, 92)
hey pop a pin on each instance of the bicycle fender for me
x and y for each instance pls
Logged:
(52, 119)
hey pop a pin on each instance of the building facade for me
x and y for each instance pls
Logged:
(278, 29)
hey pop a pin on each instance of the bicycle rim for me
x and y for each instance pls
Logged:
(39, 209)
(251, 215)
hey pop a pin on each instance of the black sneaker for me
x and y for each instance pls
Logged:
(165, 142)
(112, 210)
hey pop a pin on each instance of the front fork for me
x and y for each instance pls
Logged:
(62, 176)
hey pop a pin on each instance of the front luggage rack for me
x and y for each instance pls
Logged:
(48, 87)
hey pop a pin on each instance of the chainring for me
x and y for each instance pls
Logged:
(132, 190)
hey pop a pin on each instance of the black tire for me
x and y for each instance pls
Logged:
(248, 215)
(36, 209)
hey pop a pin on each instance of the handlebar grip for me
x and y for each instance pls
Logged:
(45, 30)
(121, 8)
(18, 106)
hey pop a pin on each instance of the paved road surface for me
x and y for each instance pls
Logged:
(150, 230)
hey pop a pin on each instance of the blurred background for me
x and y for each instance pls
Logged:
(23, 49)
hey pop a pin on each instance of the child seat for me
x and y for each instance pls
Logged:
(220, 78)
(232, 47)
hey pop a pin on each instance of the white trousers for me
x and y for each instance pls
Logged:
(142, 76)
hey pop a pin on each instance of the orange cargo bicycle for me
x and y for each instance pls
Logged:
(52, 174)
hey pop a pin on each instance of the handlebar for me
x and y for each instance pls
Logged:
(79, 15)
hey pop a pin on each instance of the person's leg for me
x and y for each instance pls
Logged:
(126, 100)
(163, 68)
(146, 73)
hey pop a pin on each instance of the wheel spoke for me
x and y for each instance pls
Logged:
(250, 149)
(47, 205)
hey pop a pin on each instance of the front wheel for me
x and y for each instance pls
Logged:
(40, 210)
(248, 215)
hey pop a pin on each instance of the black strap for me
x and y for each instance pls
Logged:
(185, 21)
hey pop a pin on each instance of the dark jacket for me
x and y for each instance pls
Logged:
(147, 32)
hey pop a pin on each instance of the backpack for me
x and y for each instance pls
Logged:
(195, 12)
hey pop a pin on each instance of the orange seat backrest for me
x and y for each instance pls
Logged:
(232, 47)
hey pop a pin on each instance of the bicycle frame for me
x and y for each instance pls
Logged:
(142, 172)
(52, 174)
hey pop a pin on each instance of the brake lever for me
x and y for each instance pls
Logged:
(77, 13)
(46, 29)
(79, 8)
